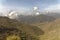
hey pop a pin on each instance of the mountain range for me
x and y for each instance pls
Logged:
(35, 18)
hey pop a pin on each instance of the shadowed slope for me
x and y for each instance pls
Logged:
(29, 29)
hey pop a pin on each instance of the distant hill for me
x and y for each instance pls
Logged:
(29, 29)
(55, 15)
(35, 19)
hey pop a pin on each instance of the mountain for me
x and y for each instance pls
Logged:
(35, 19)
(55, 15)
(12, 24)
(51, 29)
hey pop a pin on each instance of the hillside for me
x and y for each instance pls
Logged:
(43, 31)
(51, 29)
(29, 29)
(35, 19)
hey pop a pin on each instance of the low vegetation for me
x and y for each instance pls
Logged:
(26, 32)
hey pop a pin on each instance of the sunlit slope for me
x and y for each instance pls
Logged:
(52, 30)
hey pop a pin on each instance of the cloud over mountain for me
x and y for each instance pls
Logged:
(53, 8)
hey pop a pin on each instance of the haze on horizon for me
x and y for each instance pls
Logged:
(27, 5)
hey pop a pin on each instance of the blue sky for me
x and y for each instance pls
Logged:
(28, 4)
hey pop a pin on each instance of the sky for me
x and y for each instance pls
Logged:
(26, 5)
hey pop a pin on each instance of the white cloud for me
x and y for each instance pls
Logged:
(5, 10)
(53, 8)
